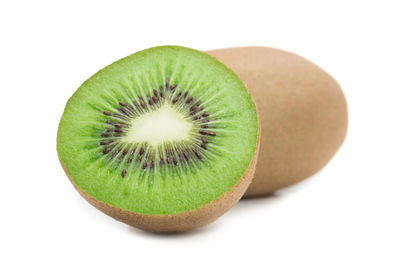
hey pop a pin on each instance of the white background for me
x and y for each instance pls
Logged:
(346, 215)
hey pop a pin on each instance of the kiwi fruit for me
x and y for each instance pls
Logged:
(164, 140)
(302, 109)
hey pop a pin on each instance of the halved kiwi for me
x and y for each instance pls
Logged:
(164, 140)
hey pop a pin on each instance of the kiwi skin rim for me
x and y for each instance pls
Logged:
(188, 220)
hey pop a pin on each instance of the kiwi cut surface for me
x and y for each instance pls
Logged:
(302, 110)
(159, 135)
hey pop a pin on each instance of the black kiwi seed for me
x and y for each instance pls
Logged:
(167, 83)
(198, 155)
(212, 134)
(173, 87)
(155, 92)
(122, 103)
(206, 114)
(124, 111)
(189, 100)
(107, 142)
(123, 174)
(112, 156)
(107, 113)
(186, 155)
(202, 132)
(107, 150)
(161, 92)
(144, 166)
(204, 140)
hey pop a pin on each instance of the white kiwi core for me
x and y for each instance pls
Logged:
(165, 124)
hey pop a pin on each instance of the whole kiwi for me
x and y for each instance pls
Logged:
(302, 109)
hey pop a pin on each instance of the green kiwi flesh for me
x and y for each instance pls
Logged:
(164, 131)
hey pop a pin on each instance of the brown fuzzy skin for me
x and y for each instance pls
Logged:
(185, 221)
(302, 109)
